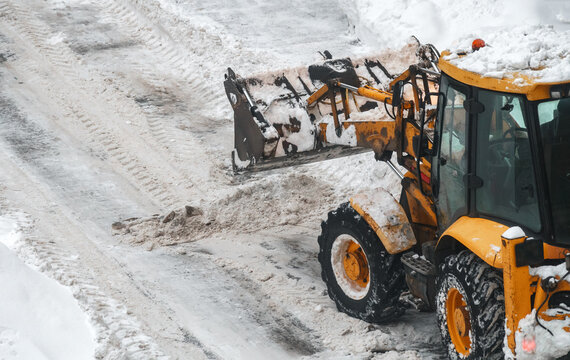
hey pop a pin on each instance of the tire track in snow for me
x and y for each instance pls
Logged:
(182, 62)
(169, 70)
(183, 68)
(165, 114)
(46, 176)
(105, 136)
(191, 50)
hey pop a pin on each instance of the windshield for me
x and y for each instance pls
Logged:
(504, 162)
(554, 119)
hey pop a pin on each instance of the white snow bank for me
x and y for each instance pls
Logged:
(9, 233)
(39, 318)
(538, 52)
(390, 24)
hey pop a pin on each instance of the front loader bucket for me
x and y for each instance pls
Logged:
(274, 125)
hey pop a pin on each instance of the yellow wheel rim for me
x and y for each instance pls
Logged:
(458, 321)
(356, 264)
(350, 267)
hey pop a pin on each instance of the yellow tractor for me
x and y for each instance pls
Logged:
(481, 231)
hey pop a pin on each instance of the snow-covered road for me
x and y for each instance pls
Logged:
(114, 110)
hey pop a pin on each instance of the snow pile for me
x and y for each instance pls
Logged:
(538, 52)
(299, 135)
(548, 346)
(384, 24)
(264, 200)
(551, 343)
(538, 49)
(39, 318)
(9, 234)
(278, 199)
(549, 270)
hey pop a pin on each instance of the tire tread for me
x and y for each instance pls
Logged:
(484, 287)
(382, 305)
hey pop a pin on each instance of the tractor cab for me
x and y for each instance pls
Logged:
(501, 186)
(503, 153)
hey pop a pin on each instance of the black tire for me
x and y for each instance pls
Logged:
(380, 301)
(481, 287)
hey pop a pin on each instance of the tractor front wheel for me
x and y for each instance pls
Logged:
(470, 308)
(362, 278)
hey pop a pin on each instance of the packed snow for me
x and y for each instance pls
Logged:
(347, 135)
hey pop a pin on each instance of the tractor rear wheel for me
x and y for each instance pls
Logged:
(362, 278)
(470, 308)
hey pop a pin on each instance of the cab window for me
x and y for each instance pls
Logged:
(504, 162)
(554, 119)
(452, 160)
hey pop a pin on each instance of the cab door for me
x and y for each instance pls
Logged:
(450, 165)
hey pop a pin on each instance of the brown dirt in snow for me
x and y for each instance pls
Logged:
(274, 200)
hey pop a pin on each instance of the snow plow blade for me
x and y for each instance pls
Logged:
(281, 119)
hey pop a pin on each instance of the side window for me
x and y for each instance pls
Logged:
(554, 118)
(454, 130)
(504, 161)
(548, 111)
(451, 164)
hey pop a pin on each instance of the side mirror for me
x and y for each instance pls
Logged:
(530, 252)
(398, 91)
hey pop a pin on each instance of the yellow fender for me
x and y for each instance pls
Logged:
(387, 218)
(480, 236)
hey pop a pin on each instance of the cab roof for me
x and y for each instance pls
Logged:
(513, 82)
(530, 61)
